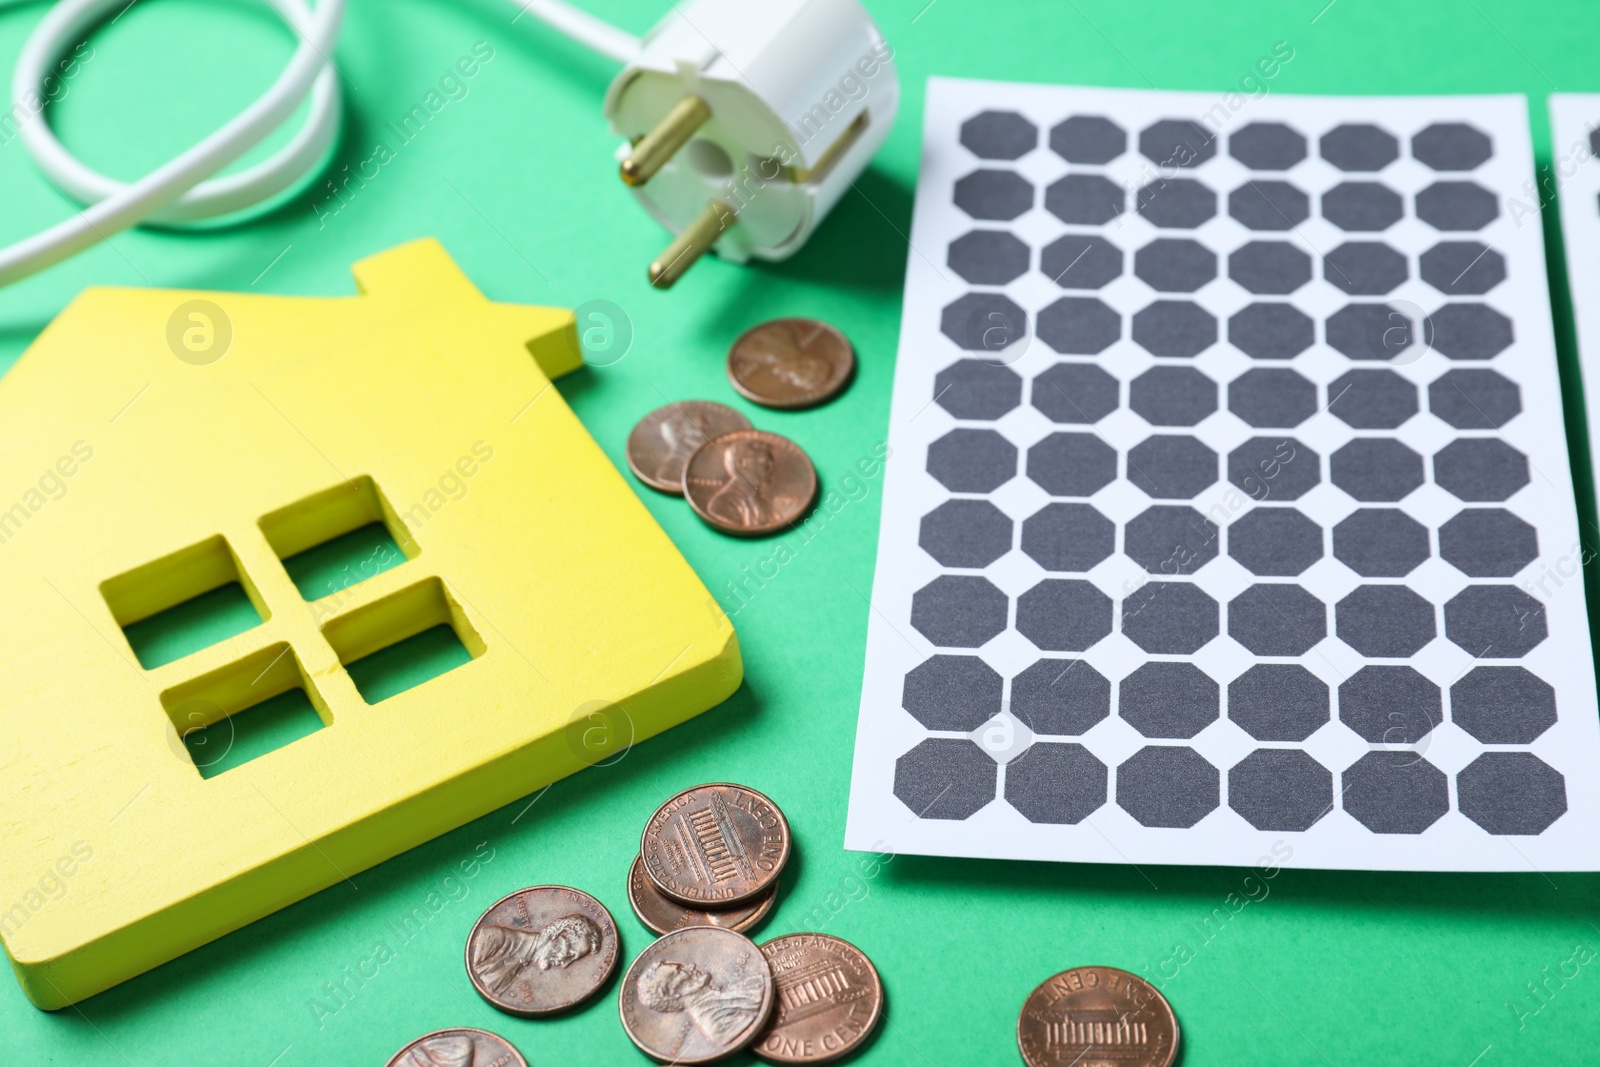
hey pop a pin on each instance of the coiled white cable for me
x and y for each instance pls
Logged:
(183, 190)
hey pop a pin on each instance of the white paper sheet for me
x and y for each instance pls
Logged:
(1366, 646)
(1574, 118)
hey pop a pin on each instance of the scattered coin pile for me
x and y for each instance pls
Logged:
(1097, 1015)
(707, 870)
(739, 479)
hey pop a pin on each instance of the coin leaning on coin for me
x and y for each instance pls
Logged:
(458, 1045)
(750, 482)
(542, 950)
(662, 915)
(715, 846)
(696, 995)
(1097, 1014)
(790, 363)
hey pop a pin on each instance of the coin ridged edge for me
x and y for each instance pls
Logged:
(539, 1013)
(783, 861)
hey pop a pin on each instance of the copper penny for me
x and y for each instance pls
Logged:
(715, 846)
(829, 999)
(460, 1046)
(662, 915)
(790, 363)
(541, 950)
(750, 482)
(662, 442)
(696, 995)
(1097, 1015)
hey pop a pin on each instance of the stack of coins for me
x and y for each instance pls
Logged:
(739, 479)
(1097, 1015)
(708, 869)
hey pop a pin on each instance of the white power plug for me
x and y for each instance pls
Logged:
(747, 120)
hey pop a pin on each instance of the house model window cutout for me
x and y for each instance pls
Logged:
(197, 453)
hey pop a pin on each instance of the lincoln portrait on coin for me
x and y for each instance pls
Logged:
(448, 1050)
(741, 500)
(502, 953)
(720, 1012)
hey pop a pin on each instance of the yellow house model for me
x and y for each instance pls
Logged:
(159, 445)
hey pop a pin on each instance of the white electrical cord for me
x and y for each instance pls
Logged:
(183, 190)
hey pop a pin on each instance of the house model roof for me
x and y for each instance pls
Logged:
(161, 444)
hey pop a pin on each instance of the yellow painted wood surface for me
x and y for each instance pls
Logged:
(164, 470)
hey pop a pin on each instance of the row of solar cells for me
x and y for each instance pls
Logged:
(1263, 397)
(1177, 618)
(1388, 792)
(1095, 140)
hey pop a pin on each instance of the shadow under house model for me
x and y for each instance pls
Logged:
(184, 441)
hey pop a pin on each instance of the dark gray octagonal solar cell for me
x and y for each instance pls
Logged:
(1072, 464)
(1457, 206)
(1480, 468)
(1081, 261)
(1056, 783)
(1380, 543)
(1370, 331)
(1269, 205)
(1280, 789)
(1085, 199)
(1495, 621)
(1266, 397)
(1175, 203)
(1168, 700)
(1379, 469)
(977, 389)
(959, 610)
(999, 135)
(1357, 146)
(1474, 399)
(965, 533)
(1394, 792)
(1385, 621)
(946, 778)
(1169, 618)
(1068, 537)
(1063, 615)
(1468, 331)
(1177, 143)
(1452, 146)
(952, 693)
(1277, 619)
(1088, 139)
(972, 461)
(1173, 396)
(1488, 543)
(1271, 331)
(1172, 466)
(1267, 146)
(994, 195)
(1362, 207)
(1503, 705)
(1386, 704)
(1270, 268)
(984, 322)
(1175, 264)
(1511, 793)
(1170, 540)
(1364, 268)
(1371, 398)
(1270, 469)
(1175, 329)
(1462, 268)
(1079, 326)
(1278, 702)
(1275, 541)
(1060, 697)
(1168, 785)
(1075, 393)
(989, 257)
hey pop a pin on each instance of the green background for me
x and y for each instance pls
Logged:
(518, 180)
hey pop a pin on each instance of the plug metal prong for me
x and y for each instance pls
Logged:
(675, 260)
(652, 151)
